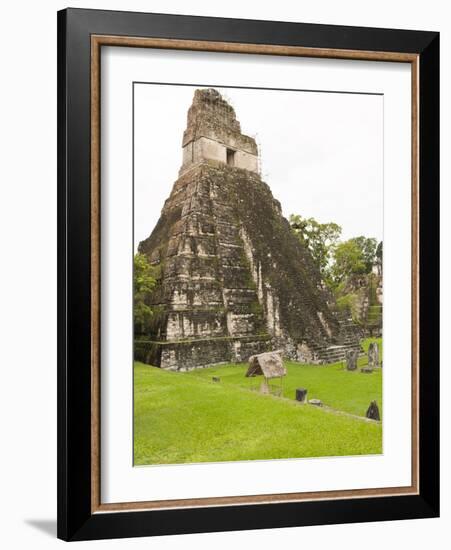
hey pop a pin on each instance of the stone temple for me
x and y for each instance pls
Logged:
(233, 280)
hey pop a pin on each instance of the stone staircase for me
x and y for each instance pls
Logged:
(348, 339)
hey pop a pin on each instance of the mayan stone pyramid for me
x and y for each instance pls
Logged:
(233, 280)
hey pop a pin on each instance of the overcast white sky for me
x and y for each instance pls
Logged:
(321, 153)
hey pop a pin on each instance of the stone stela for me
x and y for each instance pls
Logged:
(351, 359)
(373, 355)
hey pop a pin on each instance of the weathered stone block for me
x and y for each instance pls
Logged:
(373, 355)
(351, 360)
(373, 411)
(301, 395)
(316, 402)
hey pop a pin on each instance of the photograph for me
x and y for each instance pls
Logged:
(257, 273)
(248, 269)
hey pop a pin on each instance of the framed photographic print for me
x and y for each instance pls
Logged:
(248, 274)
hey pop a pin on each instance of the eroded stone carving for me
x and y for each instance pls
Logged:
(373, 411)
(373, 355)
(351, 359)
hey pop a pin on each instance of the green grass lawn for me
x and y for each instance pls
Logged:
(185, 417)
(336, 387)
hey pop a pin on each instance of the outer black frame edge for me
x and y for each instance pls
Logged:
(251, 31)
(258, 516)
(429, 177)
(62, 465)
(75, 521)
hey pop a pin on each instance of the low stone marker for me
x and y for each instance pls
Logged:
(316, 402)
(216, 379)
(366, 370)
(373, 411)
(301, 395)
(351, 359)
(373, 355)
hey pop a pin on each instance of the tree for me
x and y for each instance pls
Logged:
(352, 258)
(144, 282)
(348, 261)
(319, 238)
(368, 247)
(379, 252)
(379, 258)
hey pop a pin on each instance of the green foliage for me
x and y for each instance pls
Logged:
(379, 257)
(185, 417)
(145, 350)
(320, 239)
(144, 281)
(367, 248)
(353, 258)
(372, 288)
(348, 261)
(374, 316)
(379, 251)
(347, 302)
(338, 262)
